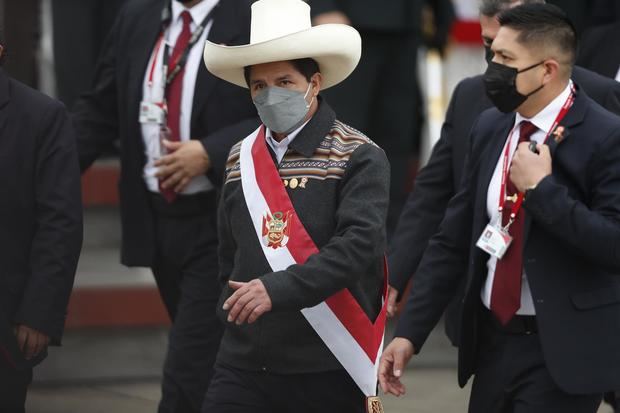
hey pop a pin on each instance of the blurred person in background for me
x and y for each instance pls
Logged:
(21, 29)
(41, 236)
(599, 52)
(175, 129)
(589, 14)
(382, 97)
(79, 31)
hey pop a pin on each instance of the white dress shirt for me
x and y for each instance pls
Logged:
(543, 121)
(280, 148)
(155, 93)
(618, 75)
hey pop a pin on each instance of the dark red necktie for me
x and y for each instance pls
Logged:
(506, 292)
(174, 92)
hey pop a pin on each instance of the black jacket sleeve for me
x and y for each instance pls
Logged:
(226, 244)
(58, 237)
(425, 207)
(444, 263)
(572, 221)
(612, 102)
(358, 240)
(95, 114)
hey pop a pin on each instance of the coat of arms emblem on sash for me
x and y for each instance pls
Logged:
(276, 229)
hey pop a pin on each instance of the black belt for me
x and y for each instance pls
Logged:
(184, 205)
(518, 325)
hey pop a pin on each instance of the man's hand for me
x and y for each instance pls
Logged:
(332, 17)
(248, 302)
(185, 161)
(527, 168)
(391, 305)
(394, 359)
(31, 342)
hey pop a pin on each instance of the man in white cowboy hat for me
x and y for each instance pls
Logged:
(302, 228)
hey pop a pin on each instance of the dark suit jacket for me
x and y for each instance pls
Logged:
(438, 181)
(598, 52)
(110, 110)
(40, 210)
(571, 251)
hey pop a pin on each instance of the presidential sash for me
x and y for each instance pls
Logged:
(354, 339)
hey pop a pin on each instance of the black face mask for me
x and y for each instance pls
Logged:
(500, 82)
(488, 54)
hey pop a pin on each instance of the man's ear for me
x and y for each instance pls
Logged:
(317, 83)
(552, 70)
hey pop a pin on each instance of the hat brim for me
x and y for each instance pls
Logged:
(336, 48)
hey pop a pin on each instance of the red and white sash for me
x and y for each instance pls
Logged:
(344, 327)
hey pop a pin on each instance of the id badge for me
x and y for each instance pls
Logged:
(494, 240)
(152, 113)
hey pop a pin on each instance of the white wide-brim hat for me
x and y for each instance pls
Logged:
(281, 30)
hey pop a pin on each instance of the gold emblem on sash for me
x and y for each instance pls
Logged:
(293, 183)
(276, 229)
(374, 405)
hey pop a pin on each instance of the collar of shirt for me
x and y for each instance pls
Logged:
(198, 12)
(280, 148)
(544, 119)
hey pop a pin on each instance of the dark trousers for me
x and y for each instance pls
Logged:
(13, 387)
(511, 377)
(381, 98)
(240, 391)
(186, 272)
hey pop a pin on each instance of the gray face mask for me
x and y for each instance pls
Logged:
(282, 110)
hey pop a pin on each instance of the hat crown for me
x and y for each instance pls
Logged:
(272, 19)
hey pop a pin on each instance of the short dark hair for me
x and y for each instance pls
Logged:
(492, 8)
(543, 24)
(307, 67)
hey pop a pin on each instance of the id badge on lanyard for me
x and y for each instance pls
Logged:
(153, 106)
(496, 239)
(153, 110)
(152, 113)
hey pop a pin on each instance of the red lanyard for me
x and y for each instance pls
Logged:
(179, 64)
(516, 205)
(155, 55)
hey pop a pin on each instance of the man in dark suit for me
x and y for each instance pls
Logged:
(172, 161)
(597, 53)
(539, 324)
(74, 62)
(438, 181)
(382, 97)
(41, 236)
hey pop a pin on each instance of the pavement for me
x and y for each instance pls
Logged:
(118, 370)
